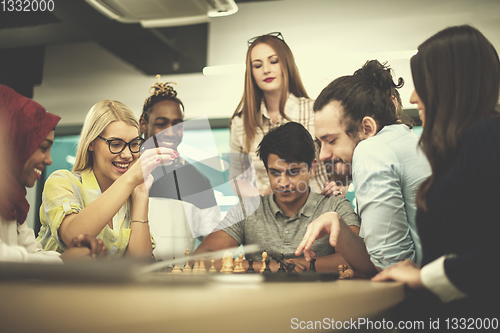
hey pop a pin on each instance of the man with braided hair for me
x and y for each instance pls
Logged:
(182, 201)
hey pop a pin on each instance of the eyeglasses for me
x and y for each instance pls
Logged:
(116, 146)
(271, 34)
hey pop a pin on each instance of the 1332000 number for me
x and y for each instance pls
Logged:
(27, 5)
(472, 323)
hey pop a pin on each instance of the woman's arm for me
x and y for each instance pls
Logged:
(140, 238)
(94, 217)
(27, 248)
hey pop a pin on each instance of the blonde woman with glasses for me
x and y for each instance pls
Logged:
(106, 194)
(273, 95)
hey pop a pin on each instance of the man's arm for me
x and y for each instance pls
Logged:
(216, 241)
(385, 227)
(343, 238)
(346, 212)
(354, 229)
(330, 263)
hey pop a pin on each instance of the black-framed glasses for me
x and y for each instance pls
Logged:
(276, 34)
(116, 146)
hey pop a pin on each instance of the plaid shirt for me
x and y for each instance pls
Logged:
(298, 109)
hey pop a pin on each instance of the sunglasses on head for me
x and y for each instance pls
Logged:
(272, 34)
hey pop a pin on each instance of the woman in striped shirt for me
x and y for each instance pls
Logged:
(273, 95)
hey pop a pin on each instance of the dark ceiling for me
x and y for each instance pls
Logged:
(23, 36)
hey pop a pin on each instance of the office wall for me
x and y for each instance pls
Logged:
(328, 37)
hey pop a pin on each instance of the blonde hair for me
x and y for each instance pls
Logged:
(98, 118)
(249, 106)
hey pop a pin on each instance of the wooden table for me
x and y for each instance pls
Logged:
(210, 307)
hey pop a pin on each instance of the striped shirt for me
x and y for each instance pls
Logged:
(298, 109)
(68, 193)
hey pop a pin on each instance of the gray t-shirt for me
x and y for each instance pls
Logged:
(267, 225)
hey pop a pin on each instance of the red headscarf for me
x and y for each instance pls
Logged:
(25, 124)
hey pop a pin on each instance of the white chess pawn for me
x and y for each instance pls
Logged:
(202, 269)
(196, 268)
(176, 269)
(187, 266)
(238, 267)
(212, 267)
(264, 257)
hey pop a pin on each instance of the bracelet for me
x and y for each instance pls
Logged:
(142, 221)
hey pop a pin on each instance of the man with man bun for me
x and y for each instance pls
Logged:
(356, 122)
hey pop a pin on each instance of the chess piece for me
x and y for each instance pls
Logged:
(281, 261)
(212, 267)
(238, 268)
(289, 266)
(312, 265)
(264, 257)
(346, 275)
(176, 269)
(223, 264)
(196, 267)
(250, 266)
(202, 269)
(227, 263)
(282, 267)
(236, 264)
(187, 268)
(268, 266)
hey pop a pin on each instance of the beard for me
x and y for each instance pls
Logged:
(339, 172)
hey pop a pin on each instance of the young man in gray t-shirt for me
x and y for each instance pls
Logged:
(278, 221)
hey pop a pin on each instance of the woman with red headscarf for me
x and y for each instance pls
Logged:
(26, 136)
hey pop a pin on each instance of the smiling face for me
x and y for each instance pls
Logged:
(289, 182)
(34, 166)
(107, 166)
(266, 68)
(415, 99)
(165, 122)
(336, 145)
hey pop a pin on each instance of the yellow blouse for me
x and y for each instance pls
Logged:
(67, 193)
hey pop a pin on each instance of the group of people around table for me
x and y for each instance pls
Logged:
(416, 220)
